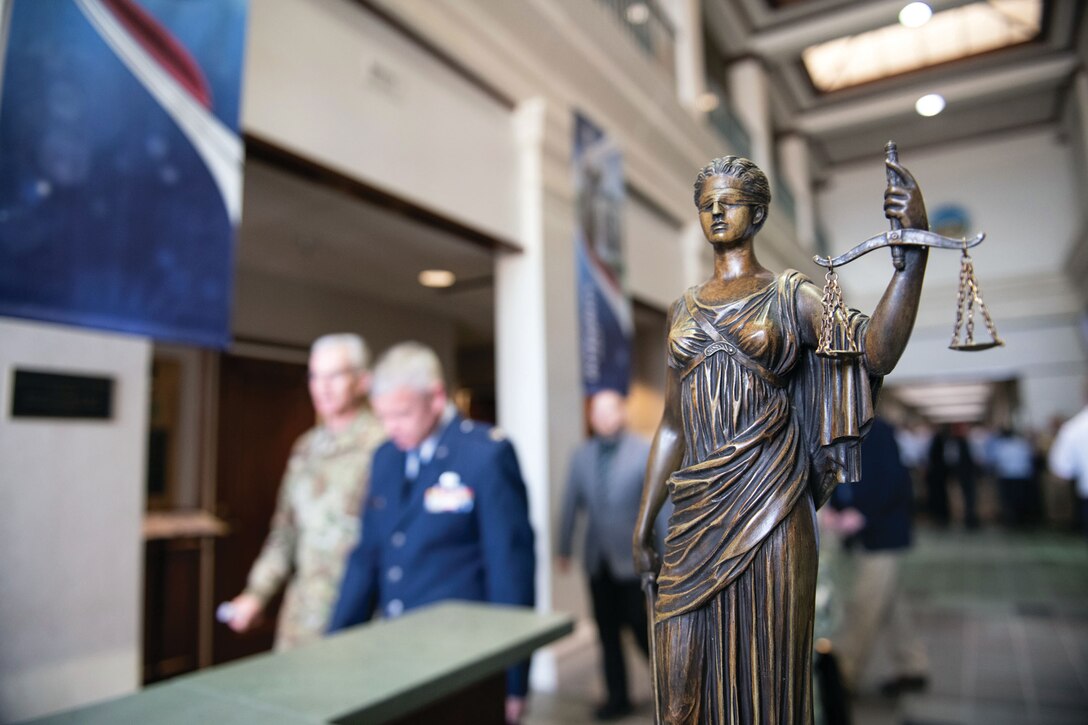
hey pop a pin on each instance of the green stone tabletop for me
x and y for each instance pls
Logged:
(372, 673)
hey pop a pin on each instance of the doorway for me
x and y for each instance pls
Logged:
(264, 406)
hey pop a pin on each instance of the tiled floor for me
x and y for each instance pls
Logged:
(1005, 619)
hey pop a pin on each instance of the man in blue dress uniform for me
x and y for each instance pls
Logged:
(447, 513)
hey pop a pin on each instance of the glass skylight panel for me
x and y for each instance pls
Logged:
(896, 49)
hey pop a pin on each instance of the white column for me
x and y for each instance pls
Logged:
(537, 379)
(749, 94)
(793, 156)
(687, 21)
(1080, 122)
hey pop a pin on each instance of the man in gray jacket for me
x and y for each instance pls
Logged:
(605, 482)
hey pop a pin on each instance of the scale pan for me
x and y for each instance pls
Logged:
(976, 346)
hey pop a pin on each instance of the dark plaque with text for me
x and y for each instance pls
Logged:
(38, 394)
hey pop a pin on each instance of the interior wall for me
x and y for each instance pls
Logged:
(388, 110)
(274, 309)
(71, 507)
(1021, 190)
(578, 56)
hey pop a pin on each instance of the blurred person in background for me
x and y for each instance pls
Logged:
(605, 483)
(447, 514)
(950, 455)
(1010, 456)
(914, 438)
(1068, 459)
(874, 518)
(316, 525)
(1061, 499)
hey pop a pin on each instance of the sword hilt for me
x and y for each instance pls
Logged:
(891, 153)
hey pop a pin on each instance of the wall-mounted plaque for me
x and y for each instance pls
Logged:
(37, 394)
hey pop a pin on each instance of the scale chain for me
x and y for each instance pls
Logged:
(832, 306)
(828, 309)
(985, 312)
(961, 297)
(968, 298)
(972, 296)
(826, 331)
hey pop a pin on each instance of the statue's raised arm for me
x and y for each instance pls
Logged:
(893, 319)
(891, 323)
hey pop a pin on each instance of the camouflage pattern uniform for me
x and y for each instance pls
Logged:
(315, 527)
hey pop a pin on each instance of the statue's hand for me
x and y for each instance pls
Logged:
(903, 201)
(646, 559)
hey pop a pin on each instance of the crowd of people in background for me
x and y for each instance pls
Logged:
(969, 474)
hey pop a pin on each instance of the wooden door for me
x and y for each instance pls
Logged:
(263, 407)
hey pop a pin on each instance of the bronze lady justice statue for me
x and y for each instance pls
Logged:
(756, 432)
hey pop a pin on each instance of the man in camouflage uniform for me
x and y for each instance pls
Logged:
(316, 523)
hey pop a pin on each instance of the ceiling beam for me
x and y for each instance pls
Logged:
(1051, 71)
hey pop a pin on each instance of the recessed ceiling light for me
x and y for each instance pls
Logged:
(437, 278)
(915, 15)
(929, 105)
(638, 13)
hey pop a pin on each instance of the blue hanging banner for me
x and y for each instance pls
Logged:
(121, 164)
(604, 310)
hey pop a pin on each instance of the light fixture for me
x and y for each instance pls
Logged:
(915, 15)
(437, 278)
(929, 105)
(637, 13)
(707, 102)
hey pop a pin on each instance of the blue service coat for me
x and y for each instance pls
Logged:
(460, 531)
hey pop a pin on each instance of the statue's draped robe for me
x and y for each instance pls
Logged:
(768, 433)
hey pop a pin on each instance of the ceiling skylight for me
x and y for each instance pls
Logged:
(949, 35)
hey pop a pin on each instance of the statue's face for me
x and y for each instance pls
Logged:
(724, 213)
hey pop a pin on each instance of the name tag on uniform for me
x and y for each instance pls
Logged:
(449, 496)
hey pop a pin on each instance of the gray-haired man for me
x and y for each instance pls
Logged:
(316, 524)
